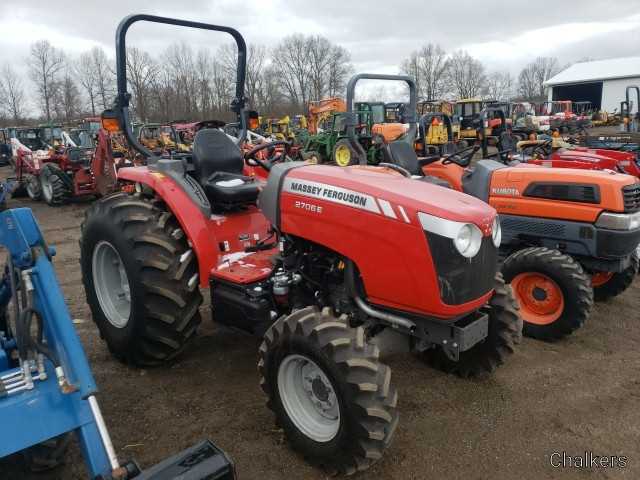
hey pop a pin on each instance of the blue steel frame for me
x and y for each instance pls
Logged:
(33, 416)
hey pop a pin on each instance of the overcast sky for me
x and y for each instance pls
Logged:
(503, 34)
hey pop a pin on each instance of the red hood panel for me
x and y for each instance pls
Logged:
(381, 191)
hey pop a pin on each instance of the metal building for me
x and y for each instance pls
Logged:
(602, 82)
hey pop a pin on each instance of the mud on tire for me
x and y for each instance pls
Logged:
(570, 279)
(162, 275)
(505, 331)
(362, 385)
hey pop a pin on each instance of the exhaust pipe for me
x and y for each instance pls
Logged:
(392, 320)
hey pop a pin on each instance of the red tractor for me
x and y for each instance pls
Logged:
(317, 261)
(50, 166)
(554, 152)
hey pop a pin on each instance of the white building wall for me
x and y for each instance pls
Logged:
(613, 92)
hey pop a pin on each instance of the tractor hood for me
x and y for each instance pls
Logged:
(375, 190)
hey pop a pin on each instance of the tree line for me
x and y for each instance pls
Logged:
(182, 83)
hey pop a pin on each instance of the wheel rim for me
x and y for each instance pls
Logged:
(111, 284)
(309, 398)
(31, 189)
(47, 188)
(343, 155)
(600, 278)
(541, 299)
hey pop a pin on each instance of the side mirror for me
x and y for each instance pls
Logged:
(110, 121)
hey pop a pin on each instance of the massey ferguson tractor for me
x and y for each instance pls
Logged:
(317, 262)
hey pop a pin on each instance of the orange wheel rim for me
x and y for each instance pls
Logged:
(600, 278)
(541, 299)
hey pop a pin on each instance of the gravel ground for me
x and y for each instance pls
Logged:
(576, 395)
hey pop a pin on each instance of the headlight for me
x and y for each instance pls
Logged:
(467, 238)
(619, 221)
(496, 232)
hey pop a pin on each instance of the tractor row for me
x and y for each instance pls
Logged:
(381, 220)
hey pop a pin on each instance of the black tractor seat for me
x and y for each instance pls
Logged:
(217, 165)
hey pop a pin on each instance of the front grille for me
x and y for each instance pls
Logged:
(462, 279)
(631, 196)
(526, 226)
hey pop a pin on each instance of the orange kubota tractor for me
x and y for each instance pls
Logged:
(568, 235)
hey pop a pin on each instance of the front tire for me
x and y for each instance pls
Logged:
(615, 284)
(343, 154)
(52, 183)
(33, 188)
(330, 393)
(141, 279)
(553, 291)
(505, 331)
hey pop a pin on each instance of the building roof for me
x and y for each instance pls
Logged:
(597, 70)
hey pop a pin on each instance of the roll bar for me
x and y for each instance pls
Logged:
(121, 107)
(351, 117)
(625, 107)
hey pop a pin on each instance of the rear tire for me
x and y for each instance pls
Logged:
(505, 331)
(338, 356)
(562, 301)
(54, 189)
(618, 283)
(161, 277)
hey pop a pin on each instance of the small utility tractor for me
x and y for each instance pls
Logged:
(563, 118)
(424, 107)
(557, 153)
(568, 235)
(47, 390)
(30, 152)
(51, 168)
(435, 135)
(161, 139)
(317, 262)
(362, 129)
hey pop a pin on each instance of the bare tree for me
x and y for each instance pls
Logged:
(104, 74)
(67, 98)
(533, 75)
(141, 73)
(428, 66)
(45, 64)
(12, 95)
(86, 76)
(291, 60)
(499, 86)
(466, 75)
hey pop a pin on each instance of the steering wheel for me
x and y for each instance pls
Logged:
(397, 168)
(544, 149)
(458, 158)
(250, 158)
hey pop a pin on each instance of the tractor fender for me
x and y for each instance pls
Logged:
(193, 220)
